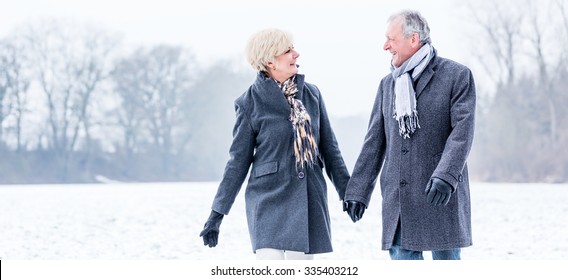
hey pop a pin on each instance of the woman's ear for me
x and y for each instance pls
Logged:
(270, 65)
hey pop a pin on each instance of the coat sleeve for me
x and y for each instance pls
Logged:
(370, 160)
(462, 120)
(240, 158)
(335, 167)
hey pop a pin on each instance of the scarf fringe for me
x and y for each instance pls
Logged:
(407, 125)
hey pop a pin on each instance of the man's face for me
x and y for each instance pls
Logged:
(401, 47)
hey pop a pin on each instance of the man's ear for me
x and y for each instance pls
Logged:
(415, 40)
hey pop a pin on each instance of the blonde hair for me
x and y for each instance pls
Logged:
(265, 45)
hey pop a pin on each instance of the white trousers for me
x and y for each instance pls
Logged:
(274, 254)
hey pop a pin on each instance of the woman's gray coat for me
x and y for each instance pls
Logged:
(286, 208)
(439, 148)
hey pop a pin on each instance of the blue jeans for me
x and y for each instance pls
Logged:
(397, 253)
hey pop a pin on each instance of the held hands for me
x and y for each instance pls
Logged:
(210, 232)
(355, 209)
(438, 192)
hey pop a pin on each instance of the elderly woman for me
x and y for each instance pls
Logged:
(282, 128)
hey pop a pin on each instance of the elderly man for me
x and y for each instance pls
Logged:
(419, 137)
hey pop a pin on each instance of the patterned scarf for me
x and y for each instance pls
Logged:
(305, 146)
(405, 98)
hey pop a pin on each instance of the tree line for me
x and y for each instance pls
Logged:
(522, 52)
(78, 104)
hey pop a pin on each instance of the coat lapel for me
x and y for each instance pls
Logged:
(425, 77)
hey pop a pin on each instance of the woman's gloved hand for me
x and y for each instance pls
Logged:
(355, 209)
(210, 232)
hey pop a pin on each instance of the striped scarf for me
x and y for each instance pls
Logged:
(305, 146)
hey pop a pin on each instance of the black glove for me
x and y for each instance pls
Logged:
(210, 231)
(355, 209)
(438, 192)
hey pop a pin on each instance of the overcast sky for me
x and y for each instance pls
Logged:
(340, 42)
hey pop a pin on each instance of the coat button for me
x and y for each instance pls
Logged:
(403, 183)
(301, 175)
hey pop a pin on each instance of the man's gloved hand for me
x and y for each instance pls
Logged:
(355, 210)
(210, 232)
(438, 192)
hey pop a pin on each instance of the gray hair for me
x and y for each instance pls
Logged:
(413, 22)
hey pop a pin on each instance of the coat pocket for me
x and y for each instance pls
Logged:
(265, 169)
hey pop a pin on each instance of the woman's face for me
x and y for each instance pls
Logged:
(284, 65)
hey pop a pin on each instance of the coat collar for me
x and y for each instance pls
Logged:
(271, 88)
(427, 75)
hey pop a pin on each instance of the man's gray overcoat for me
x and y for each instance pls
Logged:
(445, 94)
(286, 208)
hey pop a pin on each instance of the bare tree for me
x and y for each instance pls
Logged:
(501, 30)
(522, 129)
(14, 84)
(129, 114)
(538, 23)
(562, 10)
(4, 82)
(70, 61)
(153, 83)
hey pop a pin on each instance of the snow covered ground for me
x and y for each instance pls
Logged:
(158, 221)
